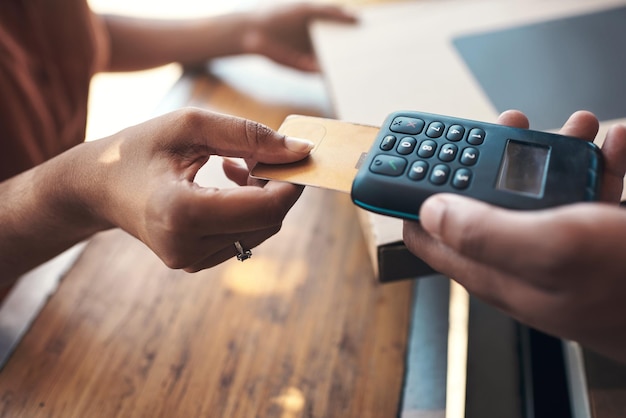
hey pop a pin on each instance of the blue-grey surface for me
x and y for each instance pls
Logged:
(494, 377)
(551, 69)
(27, 298)
(425, 382)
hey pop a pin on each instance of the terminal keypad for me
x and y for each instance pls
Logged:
(438, 151)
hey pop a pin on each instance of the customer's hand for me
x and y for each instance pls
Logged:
(559, 270)
(282, 34)
(144, 184)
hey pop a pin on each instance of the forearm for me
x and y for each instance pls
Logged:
(43, 212)
(144, 43)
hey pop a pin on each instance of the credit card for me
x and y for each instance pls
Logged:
(340, 148)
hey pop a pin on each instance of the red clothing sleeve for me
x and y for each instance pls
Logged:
(49, 50)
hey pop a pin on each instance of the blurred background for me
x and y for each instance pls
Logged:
(119, 100)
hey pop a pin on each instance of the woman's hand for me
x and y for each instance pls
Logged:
(145, 185)
(282, 35)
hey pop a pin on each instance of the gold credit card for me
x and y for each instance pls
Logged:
(340, 148)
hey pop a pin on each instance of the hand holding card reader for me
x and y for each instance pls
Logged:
(416, 155)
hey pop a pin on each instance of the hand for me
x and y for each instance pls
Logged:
(145, 185)
(559, 270)
(282, 35)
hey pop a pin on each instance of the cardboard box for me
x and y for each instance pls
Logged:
(391, 259)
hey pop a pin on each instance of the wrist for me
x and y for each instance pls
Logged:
(78, 193)
(225, 35)
(43, 212)
(249, 35)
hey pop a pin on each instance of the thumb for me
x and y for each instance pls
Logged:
(263, 144)
(484, 233)
(231, 136)
(268, 146)
(440, 218)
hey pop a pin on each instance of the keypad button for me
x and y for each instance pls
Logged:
(388, 165)
(455, 133)
(440, 174)
(462, 178)
(427, 149)
(448, 152)
(388, 142)
(418, 170)
(406, 145)
(476, 136)
(469, 156)
(435, 129)
(406, 125)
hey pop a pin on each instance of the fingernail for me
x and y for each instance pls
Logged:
(298, 144)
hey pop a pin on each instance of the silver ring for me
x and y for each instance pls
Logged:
(243, 254)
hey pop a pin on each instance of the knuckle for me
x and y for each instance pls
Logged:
(171, 216)
(191, 117)
(171, 252)
(256, 133)
(172, 257)
(179, 136)
(168, 235)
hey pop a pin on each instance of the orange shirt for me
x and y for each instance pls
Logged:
(49, 50)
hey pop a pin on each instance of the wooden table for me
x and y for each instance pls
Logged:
(301, 330)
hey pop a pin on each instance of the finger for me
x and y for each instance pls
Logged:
(227, 249)
(210, 211)
(513, 118)
(511, 241)
(433, 251)
(240, 174)
(570, 261)
(581, 124)
(230, 136)
(614, 153)
(541, 304)
(288, 56)
(235, 171)
(186, 249)
(298, 54)
(481, 280)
